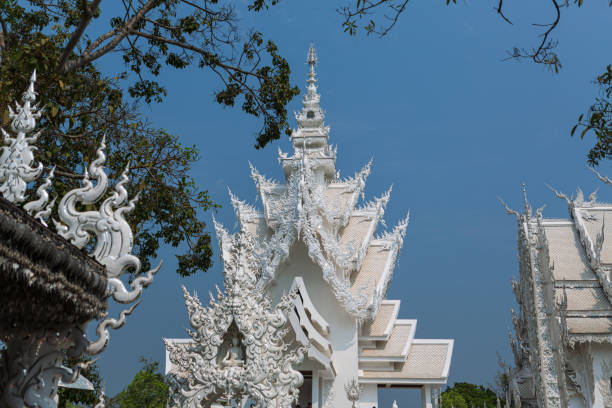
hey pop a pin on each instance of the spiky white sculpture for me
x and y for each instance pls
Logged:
(238, 341)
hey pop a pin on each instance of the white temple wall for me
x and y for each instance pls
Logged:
(602, 375)
(343, 327)
(369, 396)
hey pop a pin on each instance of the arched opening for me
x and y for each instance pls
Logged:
(310, 114)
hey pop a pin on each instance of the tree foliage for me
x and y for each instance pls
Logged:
(598, 120)
(468, 395)
(147, 390)
(453, 399)
(82, 103)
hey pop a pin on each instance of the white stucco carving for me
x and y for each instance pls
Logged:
(563, 325)
(238, 341)
(16, 161)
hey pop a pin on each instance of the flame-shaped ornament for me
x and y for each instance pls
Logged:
(17, 158)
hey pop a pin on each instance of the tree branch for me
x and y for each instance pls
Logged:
(547, 33)
(88, 13)
(198, 50)
(3, 35)
(501, 13)
(120, 34)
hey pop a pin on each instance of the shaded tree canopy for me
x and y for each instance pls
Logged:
(466, 395)
(378, 17)
(60, 40)
(453, 399)
(147, 389)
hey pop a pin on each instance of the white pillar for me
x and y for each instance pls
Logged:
(426, 396)
(315, 389)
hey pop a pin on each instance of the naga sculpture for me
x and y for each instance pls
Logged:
(51, 287)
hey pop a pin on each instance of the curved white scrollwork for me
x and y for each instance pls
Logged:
(98, 346)
(114, 239)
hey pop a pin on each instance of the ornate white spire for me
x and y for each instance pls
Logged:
(310, 139)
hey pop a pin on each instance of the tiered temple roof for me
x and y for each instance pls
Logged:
(565, 301)
(319, 208)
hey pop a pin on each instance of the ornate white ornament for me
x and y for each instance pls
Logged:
(31, 367)
(238, 347)
(113, 234)
(17, 159)
(593, 249)
(302, 209)
(352, 391)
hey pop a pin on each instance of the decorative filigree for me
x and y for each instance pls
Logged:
(238, 344)
(303, 210)
(114, 241)
(593, 248)
(31, 367)
(17, 158)
(536, 349)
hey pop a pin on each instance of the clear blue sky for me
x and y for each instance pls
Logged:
(447, 122)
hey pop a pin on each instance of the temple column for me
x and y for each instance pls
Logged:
(426, 401)
(315, 389)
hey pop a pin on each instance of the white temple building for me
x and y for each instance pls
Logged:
(311, 236)
(563, 344)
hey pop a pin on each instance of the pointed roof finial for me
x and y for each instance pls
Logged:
(312, 61)
(312, 55)
(29, 95)
(525, 201)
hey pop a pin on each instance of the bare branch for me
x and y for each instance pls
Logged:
(501, 13)
(86, 17)
(550, 29)
(198, 50)
(119, 34)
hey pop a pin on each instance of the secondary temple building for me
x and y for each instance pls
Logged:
(563, 344)
(312, 237)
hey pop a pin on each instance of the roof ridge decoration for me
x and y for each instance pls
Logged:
(592, 248)
(536, 273)
(257, 362)
(17, 158)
